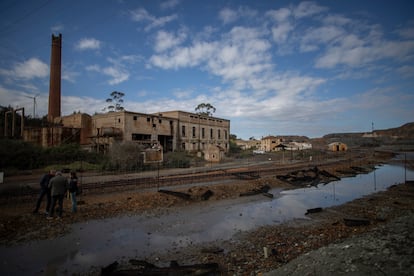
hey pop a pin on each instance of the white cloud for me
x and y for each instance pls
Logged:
(307, 9)
(279, 15)
(227, 15)
(354, 52)
(165, 40)
(240, 55)
(131, 58)
(314, 38)
(117, 73)
(118, 68)
(57, 28)
(182, 94)
(407, 71)
(281, 31)
(407, 33)
(184, 56)
(237, 57)
(169, 4)
(17, 98)
(142, 15)
(29, 69)
(93, 67)
(142, 93)
(283, 24)
(69, 75)
(88, 44)
(88, 105)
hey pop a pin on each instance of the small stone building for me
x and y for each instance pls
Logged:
(270, 143)
(337, 146)
(214, 153)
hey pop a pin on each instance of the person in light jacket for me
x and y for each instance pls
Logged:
(58, 186)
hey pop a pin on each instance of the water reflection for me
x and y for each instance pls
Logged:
(100, 242)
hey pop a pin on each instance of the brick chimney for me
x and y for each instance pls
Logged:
(55, 72)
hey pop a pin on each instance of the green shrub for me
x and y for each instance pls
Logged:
(178, 159)
(20, 155)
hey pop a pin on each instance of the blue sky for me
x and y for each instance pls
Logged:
(271, 67)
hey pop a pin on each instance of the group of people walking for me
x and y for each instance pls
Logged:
(54, 186)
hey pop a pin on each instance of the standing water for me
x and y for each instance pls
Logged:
(100, 242)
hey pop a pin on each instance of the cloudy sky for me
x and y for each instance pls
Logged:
(271, 67)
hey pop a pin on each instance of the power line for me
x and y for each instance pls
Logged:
(10, 26)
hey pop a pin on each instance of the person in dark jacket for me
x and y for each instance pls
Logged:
(73, 189)
(44, 191)
(58, 186)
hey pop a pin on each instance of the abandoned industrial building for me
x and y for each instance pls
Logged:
(172, 130)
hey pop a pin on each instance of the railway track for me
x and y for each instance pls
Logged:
(144, 182)
(102, 185)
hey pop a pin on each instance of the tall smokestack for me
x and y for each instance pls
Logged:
(55, 72)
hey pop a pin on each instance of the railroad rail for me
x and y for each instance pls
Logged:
(143, 182)
(140, 183)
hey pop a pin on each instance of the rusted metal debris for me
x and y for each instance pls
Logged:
(177, 194)
(263, 189)
(356, 221)
(313, 210)
(309, 177)
(269, 195)
(354, 170)
(249, 175)
(212, 250)
(207, 194)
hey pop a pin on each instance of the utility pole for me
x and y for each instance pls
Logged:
(34, 103)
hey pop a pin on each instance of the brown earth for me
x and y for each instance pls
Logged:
(243, 255)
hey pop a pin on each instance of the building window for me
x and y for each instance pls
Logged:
(203, 135)
(225, 134)
(148, 119)
(194, 132)
(135, 118)
(183, 131)
(183, 146)
(211, 133)
(219, 134)
(159, 121)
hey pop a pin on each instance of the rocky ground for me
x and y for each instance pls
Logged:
(388, 249)
(386, 240)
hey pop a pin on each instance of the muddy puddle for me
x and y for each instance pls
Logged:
(98, 243)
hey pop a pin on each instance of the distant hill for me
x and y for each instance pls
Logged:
(405, 131)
